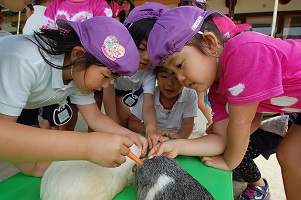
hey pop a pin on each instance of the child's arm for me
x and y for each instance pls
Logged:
(25, 144)
(136, 125)
(206, 110)
(100, 122)
(109, 102)
(149, 118)
(210, 145)
(186, 127)
(238, 134)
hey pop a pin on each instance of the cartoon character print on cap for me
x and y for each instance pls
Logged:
(112, 49)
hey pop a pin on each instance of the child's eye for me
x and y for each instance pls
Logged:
(141, 49)
(106, 77)
(180, 65)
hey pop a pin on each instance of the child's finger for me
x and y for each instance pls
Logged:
(153, 151)
(128, 142)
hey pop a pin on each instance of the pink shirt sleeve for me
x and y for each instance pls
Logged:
(252, 72)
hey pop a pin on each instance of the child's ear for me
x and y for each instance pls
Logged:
(77, 52)
(212, 42)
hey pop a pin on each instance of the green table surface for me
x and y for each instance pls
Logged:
(218, 182)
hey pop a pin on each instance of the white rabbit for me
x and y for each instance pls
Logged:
(83, 180)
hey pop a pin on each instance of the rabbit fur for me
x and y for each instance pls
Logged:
(83, 180)
(163, 178)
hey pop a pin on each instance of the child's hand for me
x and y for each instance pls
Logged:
(172, 134)
(168, 148)
(215, 161)
(209, 129)
(106, 149)
(155, 138)
(140, 141)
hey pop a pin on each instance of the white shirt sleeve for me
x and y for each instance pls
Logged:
(191, 106)
(149, 83)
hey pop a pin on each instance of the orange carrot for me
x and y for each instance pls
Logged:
(135, 158)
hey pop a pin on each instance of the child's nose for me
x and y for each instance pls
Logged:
(180, 78)
(144, 55)
(106, 83)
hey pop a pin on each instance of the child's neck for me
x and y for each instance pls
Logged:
(167, 103)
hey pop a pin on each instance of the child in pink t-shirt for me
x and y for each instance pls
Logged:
(248, 75)
(74, 10)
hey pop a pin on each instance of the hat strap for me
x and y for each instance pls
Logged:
(71, 71)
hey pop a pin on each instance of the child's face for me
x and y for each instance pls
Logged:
(127, 4)
(168, 84)
(192, 68)
(144, 58)
(93, 78)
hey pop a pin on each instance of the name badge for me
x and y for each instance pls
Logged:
(130, 99)
(62, 115)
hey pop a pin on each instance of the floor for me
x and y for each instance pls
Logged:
(269, 169)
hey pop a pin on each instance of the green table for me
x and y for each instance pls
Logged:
(218, 182)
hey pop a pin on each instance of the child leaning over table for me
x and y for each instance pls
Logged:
(175, 107)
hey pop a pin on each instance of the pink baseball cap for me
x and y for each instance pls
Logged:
(227, 27)
(174, 29)
(108, 41)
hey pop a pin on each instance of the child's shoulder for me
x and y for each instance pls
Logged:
(188, 94)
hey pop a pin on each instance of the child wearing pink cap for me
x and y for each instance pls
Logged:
(43, 69)
(248, 75)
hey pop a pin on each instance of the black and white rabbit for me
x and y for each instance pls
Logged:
(163, 178)
(83, 180)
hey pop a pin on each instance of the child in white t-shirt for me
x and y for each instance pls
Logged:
(175, 107)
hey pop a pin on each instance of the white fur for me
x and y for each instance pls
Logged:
(161, 183)
(83, 180)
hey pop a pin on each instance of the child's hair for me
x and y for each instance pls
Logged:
(140, 29)
(157, 70)
(203, 6)
(30, 6)
(60, 42)
(198, 41)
